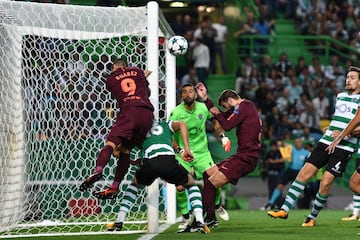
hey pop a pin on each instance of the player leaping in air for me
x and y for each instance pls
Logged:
(128, 85)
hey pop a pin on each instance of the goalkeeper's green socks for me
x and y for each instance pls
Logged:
(218, 197)
(182, 201)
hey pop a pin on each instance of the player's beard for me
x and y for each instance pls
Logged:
(350, 89)
(189, 101)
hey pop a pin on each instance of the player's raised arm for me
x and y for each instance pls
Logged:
(201, 91)
(181, 126)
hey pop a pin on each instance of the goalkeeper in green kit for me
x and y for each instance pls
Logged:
(195, 114)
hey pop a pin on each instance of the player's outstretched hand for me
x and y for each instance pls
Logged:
(201, 91)
(187, 155)
(331, 148)
(147, 73)
(226, 144)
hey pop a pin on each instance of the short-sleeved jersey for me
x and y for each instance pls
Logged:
(129, 87)
(246, 119)
(345, 110)
(158, 141)
(195, 121)
(298, 157)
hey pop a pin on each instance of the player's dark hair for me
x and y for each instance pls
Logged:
(354, 69)
(120, 62)
(187, 85)
(226, 94)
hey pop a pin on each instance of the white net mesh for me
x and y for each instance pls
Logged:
(56, 113)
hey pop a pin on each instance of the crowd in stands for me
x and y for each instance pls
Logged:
(206, 41)
(296, 98)
(292, 99)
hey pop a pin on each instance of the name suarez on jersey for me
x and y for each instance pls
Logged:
(126, 74)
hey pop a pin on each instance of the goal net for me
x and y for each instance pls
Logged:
(56, 112)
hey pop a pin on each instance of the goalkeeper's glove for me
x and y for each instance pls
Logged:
(225, 142)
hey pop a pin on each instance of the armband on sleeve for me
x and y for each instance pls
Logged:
(209, 104)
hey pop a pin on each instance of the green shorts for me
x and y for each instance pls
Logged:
(202, 161)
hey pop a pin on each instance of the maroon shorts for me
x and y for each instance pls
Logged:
(237, 166)
(131, 126)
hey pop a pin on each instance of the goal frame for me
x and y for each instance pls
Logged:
(12, 123)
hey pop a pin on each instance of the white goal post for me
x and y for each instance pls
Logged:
(55, 114)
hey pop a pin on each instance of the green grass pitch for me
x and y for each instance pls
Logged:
(247, 224)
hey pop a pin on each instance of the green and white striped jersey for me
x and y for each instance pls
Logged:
(345, 110)
(158, 141)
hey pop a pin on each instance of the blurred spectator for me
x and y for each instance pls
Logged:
(293, 116)
(321, 105)
(243, 72)
(265, 66)
(309, 117)
(283, 101)
(201, 57)
(248, 87)
(190, 78)
(188, 24)
(246, 28)
(277, 87)
(207, 33)
(260, 95)
(331, 22)
(355, 43)
(262, 27)
(305, 77)
(300, 65)
(317, 28)
(340, 33)
(274, 165)
(283, 64)
(349, 22)
(177, 25)
(220, 41)
(294, 90)
(317, 68)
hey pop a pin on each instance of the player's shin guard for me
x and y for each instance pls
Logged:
(209, 192)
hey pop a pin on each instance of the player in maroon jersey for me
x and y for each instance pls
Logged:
(242, 115)
(128, 85)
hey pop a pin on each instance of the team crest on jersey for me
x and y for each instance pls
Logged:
(200, 116)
